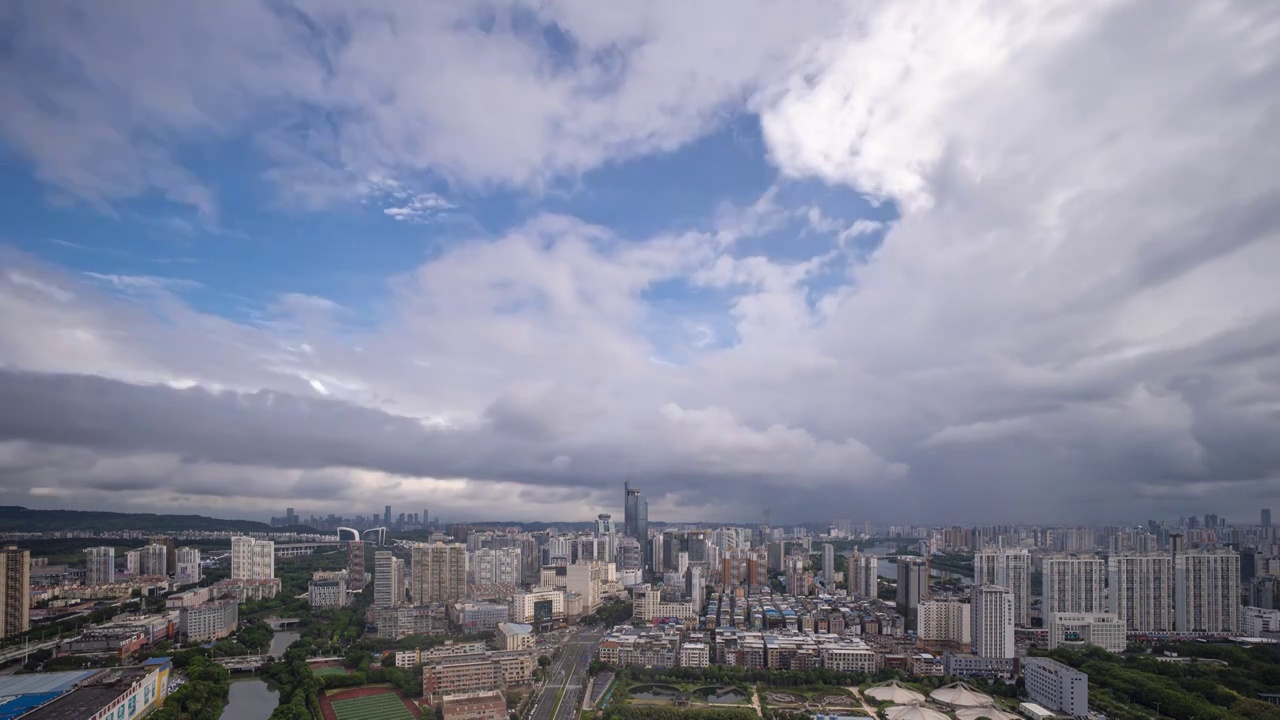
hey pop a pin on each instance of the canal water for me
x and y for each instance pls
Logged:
(251, 698)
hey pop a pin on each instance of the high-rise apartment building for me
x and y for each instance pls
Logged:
(188, 568)
(100, 565)
(388, 579)
(945, 621)
(1008, 568)
(993, 621)
(170, 553)
(252, 559)
(1207, 591)
(864, 574)
(15, 591)
(828, 567)
(913, 587)
(355, 565)
(500, 566)
(155, 560)
(438, 573)
(1141, 591)
(1073, 584)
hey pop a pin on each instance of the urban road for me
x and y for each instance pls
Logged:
(562, 694)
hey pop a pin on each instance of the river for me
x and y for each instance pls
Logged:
(887, 568)
(251, 698)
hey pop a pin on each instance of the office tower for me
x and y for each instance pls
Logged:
(1141, 591)
(1073, 584)
(946, 621)
(355, 565)
(1008, 568)
(386, 517)
(155, 560)
(605, 531)
(252, 559)
(631, 511)
(864, 571)
(15, 591)
(426, 521)
(682, 563)
(100, 565)
(584, 579)
(438, 573)
(501, 566)
(1266, 517)
(1206, 591)
(388, 579)
(289, 518)
(992, 623)
(828, 567)
(188, 568)
(628, 555)
(170, 552)
(913, 587)
(642, 530)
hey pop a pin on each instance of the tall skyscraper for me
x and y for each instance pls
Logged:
(1008, 568)
(100, 565)
(252, 559)
(797, 580)
(1266, 517)
(155, 560)
(605, 531)
(355, 565)
(828, 567)
(864, 574)
(992, 623)
(1073, 584)
(388, 579)
(630, 510)
(438, 573)
(1140, 589)
(386, 517)
(913, 587)
(425, 520)
(1207, 591)
(187, 570)
(15, 591)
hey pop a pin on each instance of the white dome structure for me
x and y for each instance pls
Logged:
(894, 693)
(991, 713)
(913, 712)
(959, 695)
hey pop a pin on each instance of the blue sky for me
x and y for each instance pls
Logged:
(814, 255)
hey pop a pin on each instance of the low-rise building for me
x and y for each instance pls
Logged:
(189, 598)
(246, 590)
(421, 656)
(210, 621)
(476, 673)
(538, 606)
(514, 636)
(328, 589)
(966, 665)
(397, 622)
(1258, 622)
(1057, 687)
(122, 692)
(1076, 630)
(486, 705)
(695, 654)
(474, 617)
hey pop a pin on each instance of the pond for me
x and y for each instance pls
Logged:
(250, 699)
(720, 694)
(655, 692)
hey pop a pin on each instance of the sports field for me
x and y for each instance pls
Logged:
(322, 671)
(381, 706)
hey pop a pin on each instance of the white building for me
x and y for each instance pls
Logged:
(133, 562)
(1073, 584)
(992, 623)
(1207, 591)
(864, 572)
(1074, 630)
(188, 571)
(695, 654)
(1057, 687)
(538, 605)
(388, 579)
(1256, 621)
(328, 589)
(154, 560)
(584, 579)
(1008, 568)
(828, 567)
(252, 559)
(209, 621)
(1141, 591)
(100, 565)
(946, 621)
(647, 604)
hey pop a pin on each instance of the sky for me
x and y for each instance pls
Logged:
(930, 262)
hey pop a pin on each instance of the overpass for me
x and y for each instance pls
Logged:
(305, 548)
(242, 662)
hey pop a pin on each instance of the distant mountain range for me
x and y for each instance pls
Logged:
(19, 519)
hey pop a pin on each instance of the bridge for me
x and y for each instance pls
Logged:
(305, 548)
(243, 662)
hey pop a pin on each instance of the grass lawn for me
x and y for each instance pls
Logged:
(384, 706)
(321, 672)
